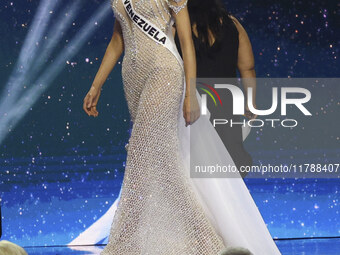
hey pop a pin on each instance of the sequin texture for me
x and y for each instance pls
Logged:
(158, 212)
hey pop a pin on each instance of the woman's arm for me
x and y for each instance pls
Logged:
(191, 110)
(246, 64)
(113, 52)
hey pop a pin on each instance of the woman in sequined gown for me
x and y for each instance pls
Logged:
(158, 212)
(161, 210)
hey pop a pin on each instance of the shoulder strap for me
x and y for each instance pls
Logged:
(152, 31)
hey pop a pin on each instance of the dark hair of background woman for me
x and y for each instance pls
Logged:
(207, 15)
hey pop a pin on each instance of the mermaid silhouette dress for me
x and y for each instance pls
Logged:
(158, 212)
(161, 210)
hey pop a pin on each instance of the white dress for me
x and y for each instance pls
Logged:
(161, 210)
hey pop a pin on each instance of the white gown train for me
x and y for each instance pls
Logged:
(226, 201)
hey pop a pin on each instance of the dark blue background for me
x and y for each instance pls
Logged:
(60, 170)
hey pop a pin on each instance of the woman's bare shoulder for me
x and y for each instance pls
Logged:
(238, 25)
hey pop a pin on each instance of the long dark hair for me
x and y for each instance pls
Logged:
(207, 15)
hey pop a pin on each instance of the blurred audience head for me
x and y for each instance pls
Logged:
(236, 251)
(8, 248)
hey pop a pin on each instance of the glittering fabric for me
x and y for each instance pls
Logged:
(158, 212)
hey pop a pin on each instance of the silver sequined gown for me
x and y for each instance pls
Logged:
(158, 212)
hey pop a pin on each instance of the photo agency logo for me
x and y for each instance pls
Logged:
(230, 98)
(294, 135)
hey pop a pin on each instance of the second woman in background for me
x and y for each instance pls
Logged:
(223, 47)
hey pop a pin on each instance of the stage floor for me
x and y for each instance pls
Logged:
(329, 246)
(59, 202)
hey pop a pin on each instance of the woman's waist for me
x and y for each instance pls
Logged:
(150, 58)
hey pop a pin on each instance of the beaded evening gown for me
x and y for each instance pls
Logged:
(161, 210)
(158, 212)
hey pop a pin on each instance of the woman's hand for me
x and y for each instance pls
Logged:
(91, 100)
(249, 114)
(113, 52)
(191, 109)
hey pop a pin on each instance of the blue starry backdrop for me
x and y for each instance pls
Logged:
(60, 170)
